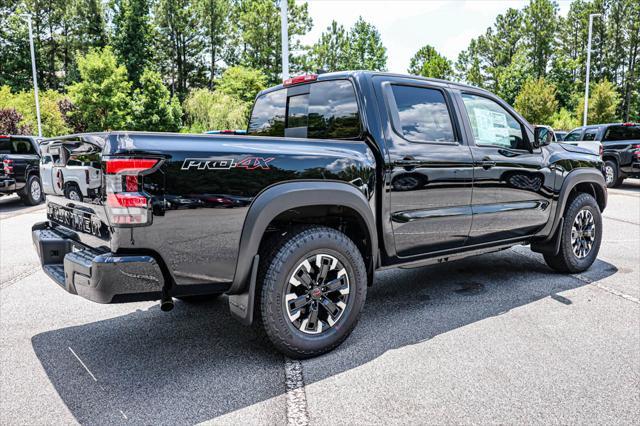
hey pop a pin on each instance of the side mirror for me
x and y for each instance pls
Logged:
(542, 136)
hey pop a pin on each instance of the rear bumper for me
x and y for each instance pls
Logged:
(632, 169)
(99, 276)
(7, 185)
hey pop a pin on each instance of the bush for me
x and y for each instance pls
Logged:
(154, 109)
(53, 123)
(206, 110)
(603, 102)
(10, 123)
(103, 94)
(564, 120)
(241, 83)
(537, 101)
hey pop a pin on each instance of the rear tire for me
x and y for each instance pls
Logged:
(580, 236)
(313, 288)
(73, 192)
(32, 193)
(611, 173)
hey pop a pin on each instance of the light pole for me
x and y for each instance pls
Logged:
(284, 24)
(33, 70)
(586, 87)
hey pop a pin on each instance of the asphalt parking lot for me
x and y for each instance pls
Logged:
(493, 339)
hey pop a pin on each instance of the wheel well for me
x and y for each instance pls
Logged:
(588, 188)
(610, 158)
(344, 219)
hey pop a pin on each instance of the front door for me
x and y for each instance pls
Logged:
(512, 186)
(431, 169)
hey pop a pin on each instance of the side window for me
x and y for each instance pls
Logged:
(328, 110)
(333, 111)
(267, 117)
(590, 134)
(624, 132)
(423, 115)
(46, 159)
(492, 125)
(573, 136)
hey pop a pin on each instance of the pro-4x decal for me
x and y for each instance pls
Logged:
(249, 163)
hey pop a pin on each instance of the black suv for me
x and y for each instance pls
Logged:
(339, 175)
(19, 168)
(621, 143)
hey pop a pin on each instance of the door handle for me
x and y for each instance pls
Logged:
(407, 161)
(487, 163)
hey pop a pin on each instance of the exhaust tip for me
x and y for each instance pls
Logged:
(166, 305)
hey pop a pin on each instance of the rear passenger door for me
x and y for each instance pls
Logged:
(430, 176)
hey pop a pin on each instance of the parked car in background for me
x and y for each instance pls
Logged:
(560, 134)
(75, 178)
(621, 148)
(19, 172)
(584, 137)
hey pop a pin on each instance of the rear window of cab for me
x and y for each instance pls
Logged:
(320, 110)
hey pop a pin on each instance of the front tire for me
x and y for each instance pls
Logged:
(32, 194)
(580, 236)
(314, 285)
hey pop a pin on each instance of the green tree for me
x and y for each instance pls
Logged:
(537, 101)
(14, 48)
(331, 51)
(512, 77)
(366, 51)
(207, 110)
(564, 120)
(540, 24)
(154, 109)
(215, 18)
(23, 102)
(427, 62)
(241, 83)
(132, 37)
(603, 103)
(180, 44)
(103, 94)
(468, 66)
(255, 41)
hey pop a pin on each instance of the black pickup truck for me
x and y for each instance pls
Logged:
(621, 148)
(19, 171)
(339, 175)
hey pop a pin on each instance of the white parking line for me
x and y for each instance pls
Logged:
(297, 414)
(606, 288)
(85, 367)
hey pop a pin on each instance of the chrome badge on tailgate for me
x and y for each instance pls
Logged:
(76, 220)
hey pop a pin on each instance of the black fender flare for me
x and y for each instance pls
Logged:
(615, 155)
(583, 175)
(267, 206)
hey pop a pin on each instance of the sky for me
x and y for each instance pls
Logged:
(407, 25)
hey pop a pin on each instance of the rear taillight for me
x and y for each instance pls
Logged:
(7, 165)
(127, 204)
(86, 176)
(601, 150)
(636, 151)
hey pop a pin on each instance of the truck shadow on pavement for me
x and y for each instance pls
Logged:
(196, 363)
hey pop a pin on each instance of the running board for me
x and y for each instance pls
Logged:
(457, 256)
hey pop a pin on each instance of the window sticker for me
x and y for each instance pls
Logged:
(492, 127)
